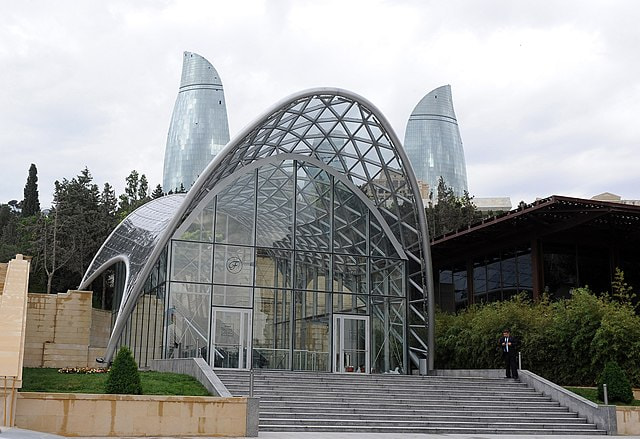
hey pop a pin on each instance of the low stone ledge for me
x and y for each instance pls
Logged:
(476, 373)
(89, 415)
(628, 419)
(603, 416)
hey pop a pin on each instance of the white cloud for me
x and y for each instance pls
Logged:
(546, 94)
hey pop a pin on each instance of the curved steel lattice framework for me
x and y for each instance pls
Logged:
(342, 135)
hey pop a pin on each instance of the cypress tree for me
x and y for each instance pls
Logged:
(157, 192)
(31, 203)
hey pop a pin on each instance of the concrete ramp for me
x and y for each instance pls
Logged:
(13, 320)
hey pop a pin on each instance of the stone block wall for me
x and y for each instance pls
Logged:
(3, 274)
(60, 329)
(100, 328)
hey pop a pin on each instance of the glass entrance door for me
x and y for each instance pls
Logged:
(351, 344)
(230, 338)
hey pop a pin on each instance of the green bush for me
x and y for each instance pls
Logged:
(567, 341)
(618, 387)
(124, 377)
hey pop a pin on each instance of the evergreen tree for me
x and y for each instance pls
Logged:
(157, 192)
(8, 238)
(143, 188)
(124, 378)
(31, 202)
(136, 193)
(450, 212)
(618, 386)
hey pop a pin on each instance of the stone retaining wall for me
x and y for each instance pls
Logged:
(69, 414)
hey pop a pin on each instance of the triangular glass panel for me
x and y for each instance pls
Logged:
(350, 149)
(354, 113)
(341, 107)
(326, 115)
(363, 147)
(358, 170)
(328, 126)
(374, 170)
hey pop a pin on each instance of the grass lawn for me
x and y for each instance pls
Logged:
(591, 393)
(153, 383)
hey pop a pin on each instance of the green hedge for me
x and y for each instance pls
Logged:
(567, 341)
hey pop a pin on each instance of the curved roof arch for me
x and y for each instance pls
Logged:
(339, 130)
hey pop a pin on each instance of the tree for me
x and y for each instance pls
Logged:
(71, 234)
(143, 188)
(450, 212)
(53, 251)
(8, 233)
(136, 193)
(621, 290)
(124, 377)
(157, 192)
(108, 219)
(31, 202)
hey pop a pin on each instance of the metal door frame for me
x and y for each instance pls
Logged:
(248, 314)
(338, 354)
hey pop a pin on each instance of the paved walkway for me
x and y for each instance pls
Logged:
(16, 433)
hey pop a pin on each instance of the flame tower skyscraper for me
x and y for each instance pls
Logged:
(433, 143)
(199, 126)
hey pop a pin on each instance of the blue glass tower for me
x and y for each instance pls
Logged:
(199, 127)
(433, 144)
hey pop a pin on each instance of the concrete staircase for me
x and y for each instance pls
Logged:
(307, 401)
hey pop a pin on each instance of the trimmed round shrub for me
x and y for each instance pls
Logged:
(618, 386)
(124, 377)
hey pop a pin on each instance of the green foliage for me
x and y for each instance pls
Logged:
(157, 192)
(124, 377)
(618, 387)
(64, 239)
(136, 193)
(31, 202)
(567, 341)
(450, 212)
(621, 290)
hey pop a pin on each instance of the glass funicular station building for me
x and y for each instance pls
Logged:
(302, 246)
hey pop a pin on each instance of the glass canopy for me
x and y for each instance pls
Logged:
(302, 246)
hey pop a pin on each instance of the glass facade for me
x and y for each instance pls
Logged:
(433, 143)
(302, 248)
(291, 251)
(489, 278)
(199, 128)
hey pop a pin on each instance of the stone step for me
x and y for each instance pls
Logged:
(410, 422)
(411, 399)
(324, 402)
(367, 386)
(435, 405)
(553, 412)
(337, 378)
(385, 393)
(403, 417)
(508, 431)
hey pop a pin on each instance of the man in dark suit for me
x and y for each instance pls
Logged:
(509, 346)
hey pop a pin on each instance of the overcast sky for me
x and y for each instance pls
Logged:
(547, 93)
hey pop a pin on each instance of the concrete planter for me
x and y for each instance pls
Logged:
(69, 414)
(628, 419)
